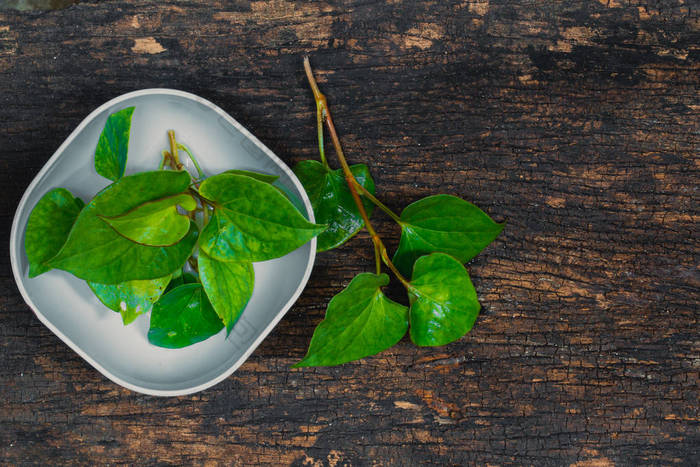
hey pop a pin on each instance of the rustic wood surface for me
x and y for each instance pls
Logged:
(576, 122)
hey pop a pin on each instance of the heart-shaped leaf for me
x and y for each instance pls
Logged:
(113, 145)
(252, 220)
(48, 226)
(131, 299)
(444, 306)
(229, 286)
(332, 201)
(445, 224)
(183, 317)
(360, 321)
(95, 252)
(155, 223)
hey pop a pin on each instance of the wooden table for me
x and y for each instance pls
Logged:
(576, 122)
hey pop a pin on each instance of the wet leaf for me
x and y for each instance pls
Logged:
(229, 286)
(48, 226)
(332, 201)
(444, 306)
(183, 317)
(252, 220)
(131, 299)
(445, 224)
(95, 252)
(155, 223)
(360, 321)
(113, 145)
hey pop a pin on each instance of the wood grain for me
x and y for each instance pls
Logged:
(576, 122)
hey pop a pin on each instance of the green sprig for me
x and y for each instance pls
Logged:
(438, 234)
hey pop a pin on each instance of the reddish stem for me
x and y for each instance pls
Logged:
(322, 104)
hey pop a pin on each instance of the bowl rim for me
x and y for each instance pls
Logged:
(15, 234)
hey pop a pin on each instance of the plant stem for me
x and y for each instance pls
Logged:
(379, 248)
(205, 214)
(379, 204)
(173, 150)
(192, 158)
(396, 272)
(166, 156)
(319, 122)
(321, 107)
(377, 257)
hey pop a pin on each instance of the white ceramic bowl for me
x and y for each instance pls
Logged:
(66, 305)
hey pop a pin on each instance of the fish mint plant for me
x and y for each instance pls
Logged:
(438, 235)
(179, 246)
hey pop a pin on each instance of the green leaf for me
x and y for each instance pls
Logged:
(155, 223)
(271, 179)
(445, 224)
(183, 317)
(252, 220)
(48, 226)
(293, 198)
(95, 252)
(132, 298)
(444, 306)
(113, 145)
(267, 178)
(229, 286)
(360, 321)
(332, 201)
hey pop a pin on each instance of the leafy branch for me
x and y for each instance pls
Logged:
(438, 234)
(352, 183)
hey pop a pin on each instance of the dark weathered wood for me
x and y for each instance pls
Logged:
(577, 122)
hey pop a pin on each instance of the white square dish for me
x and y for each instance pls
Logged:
(67, 306)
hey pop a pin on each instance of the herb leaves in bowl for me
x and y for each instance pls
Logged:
(147, 230)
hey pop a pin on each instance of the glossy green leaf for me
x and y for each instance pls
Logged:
(360, 321)
(229, 286)
(267, 178)
(155, 223)
(183, 317)
(113, 145)
(95, 252)
(131, 299)
(48, 226)
(444, 306)
(332, 201)
(445, 224)
(252, 220)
